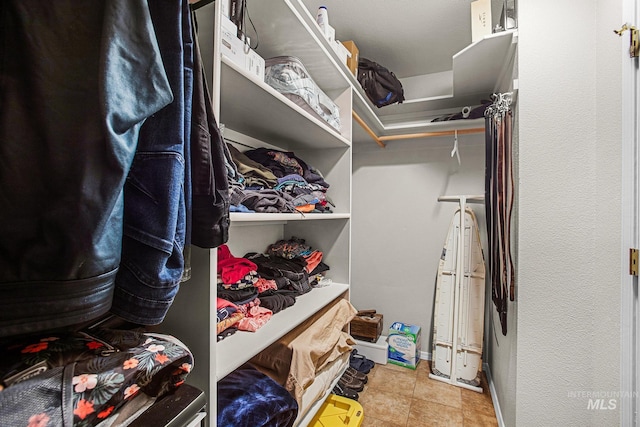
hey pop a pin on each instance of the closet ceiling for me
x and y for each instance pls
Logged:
(410, 37)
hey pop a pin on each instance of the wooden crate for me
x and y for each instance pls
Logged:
(366, 327)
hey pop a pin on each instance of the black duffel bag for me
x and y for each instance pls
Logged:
(381, 85)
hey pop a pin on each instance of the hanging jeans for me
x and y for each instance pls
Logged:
(155, 204)
(210, 184)
(77, 80)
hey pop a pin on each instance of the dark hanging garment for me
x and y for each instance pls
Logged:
(155, 212)
(77, 80)
(210, 214)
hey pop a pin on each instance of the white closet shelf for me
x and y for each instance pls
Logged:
(251, 218)
(244, 98)
(480, 67)
(241, 346)
(478, 71)
(283, 31)
(445, 126)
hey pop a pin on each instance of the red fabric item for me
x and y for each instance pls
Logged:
(221, 303)
(313, 259)
(264, 285)
(256, 318)
(232, 269)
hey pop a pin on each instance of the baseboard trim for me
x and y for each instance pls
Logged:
(494, 395)
(425, 356)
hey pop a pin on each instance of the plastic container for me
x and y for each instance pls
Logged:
(338, 411)
(287, 75)
(376, 351)
(322, 18)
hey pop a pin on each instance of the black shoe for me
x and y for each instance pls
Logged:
(352, 383)
(345, 392)
(352, 373)
(360, 363)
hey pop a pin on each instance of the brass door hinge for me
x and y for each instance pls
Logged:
(633, 261)
(634, 43)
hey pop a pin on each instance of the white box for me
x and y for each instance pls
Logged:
(376, 351)
(331, 34)
(343, 52)
(254, 64)
(404, 345)
(231, 46)
(480, 19)
(238, 51)
(225, 7)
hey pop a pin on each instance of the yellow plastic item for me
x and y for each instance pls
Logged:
(338, 411)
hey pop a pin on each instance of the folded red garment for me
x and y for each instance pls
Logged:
(232, 269)
(256, 318)
(313, 259)
(263, 285)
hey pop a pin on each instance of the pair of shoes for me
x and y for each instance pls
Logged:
(352, 383)
(360, 363)
(356, 374)
(359, 376)
(345, 392)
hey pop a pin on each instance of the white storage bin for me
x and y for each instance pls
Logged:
(376, 351)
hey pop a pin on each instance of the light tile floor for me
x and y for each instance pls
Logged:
(400, 397)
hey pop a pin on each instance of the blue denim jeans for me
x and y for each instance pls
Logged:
(155, 212)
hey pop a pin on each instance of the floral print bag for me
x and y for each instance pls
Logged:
(80, 379)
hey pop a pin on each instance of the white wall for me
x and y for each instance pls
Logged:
(569, 217)
(398, 226)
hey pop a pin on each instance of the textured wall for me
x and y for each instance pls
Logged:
(569, 216)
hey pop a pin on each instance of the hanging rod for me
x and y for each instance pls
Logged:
(367, 129)
(468, 199)
(381, 139)
(430, 134)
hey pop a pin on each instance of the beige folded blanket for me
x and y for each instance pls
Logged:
(294, 360)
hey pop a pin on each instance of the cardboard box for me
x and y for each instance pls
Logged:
(342, 51)
(352, 62)
(404, 345)
(331, 34)
(255, 64)
(238, 51)
(231, 46)
(225, 6)
(480, 19)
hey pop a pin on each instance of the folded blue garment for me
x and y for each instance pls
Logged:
(249, 398)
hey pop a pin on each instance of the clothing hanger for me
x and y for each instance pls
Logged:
(455, 147)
